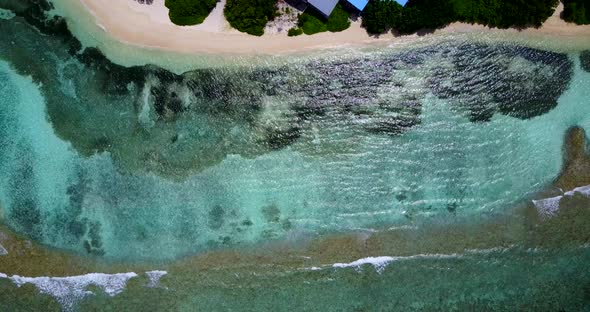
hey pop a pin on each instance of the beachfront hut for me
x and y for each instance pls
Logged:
(324, 6)
(361, 4)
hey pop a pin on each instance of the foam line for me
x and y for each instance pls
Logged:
(69, 290)
(550, 206)
(379, 263)
(154, 277)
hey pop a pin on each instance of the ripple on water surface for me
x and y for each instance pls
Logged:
(447, 164)
(97, 157)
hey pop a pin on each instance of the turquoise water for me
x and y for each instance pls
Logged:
(137, 164)
(143, 164)
(445, 165)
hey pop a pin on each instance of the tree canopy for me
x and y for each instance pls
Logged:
(383, 15)
(338, 20)
(311, 22)
(585, 60)
(250, 16)
(577, 11)
(189, 12)
(505, 13)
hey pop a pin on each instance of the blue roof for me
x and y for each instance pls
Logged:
(324, 6)
(360, 4)
(327, 6)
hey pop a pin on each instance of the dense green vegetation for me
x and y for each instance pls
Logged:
(505, 13)
(311, 22)
(250, 16)
(384, 15)
(189, 12)
(585, 60)
(338, 20)
(381, 16)
(577, 11)
(294, 32)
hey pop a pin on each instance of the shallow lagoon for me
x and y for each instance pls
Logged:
(140, 164)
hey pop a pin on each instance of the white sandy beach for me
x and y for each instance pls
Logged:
(148, 26)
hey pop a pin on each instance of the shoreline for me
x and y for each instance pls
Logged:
(152, 30)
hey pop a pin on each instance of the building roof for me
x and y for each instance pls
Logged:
(324, 6)
(361, 4)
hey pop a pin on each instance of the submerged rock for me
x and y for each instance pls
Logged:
(93, 242)
(216, 217)
(280, 138)
(271, 213)
(516, 81)
(585, 60)
(575, 171)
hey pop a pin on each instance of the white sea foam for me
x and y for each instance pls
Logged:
(584, 190)
(489, 250)
(154, 277)
(550, 206)
(69, 290)
(402, 227)
(379, 263)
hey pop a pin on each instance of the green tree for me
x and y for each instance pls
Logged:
(311, 22)
(295, 31)
(382, 15)
(338, 20)
(250, 16)
(576, 11)
(189, 12)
